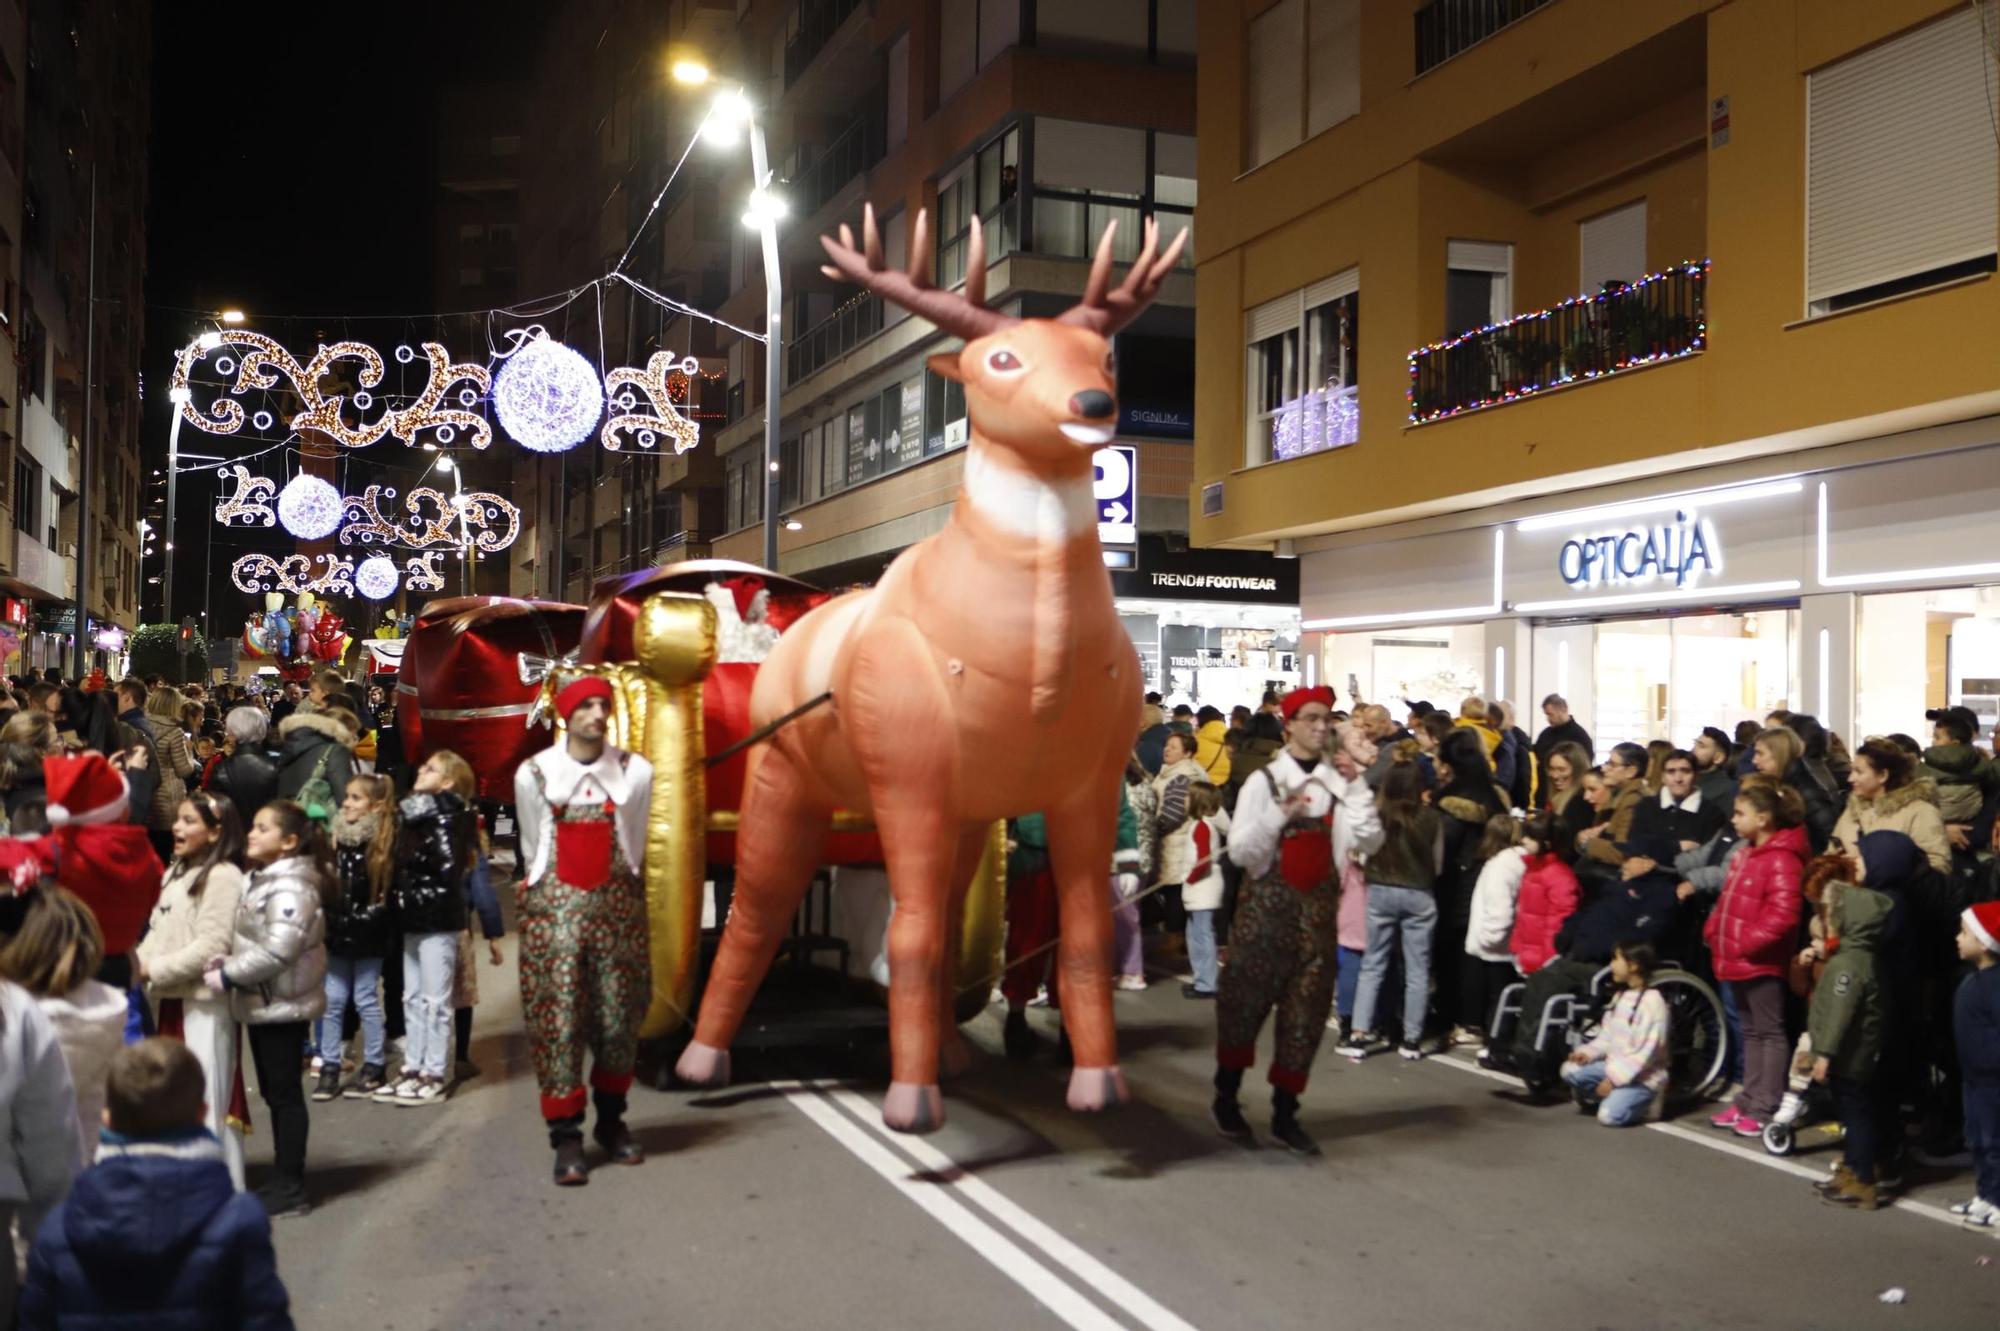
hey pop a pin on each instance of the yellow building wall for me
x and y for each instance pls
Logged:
(1362, 193)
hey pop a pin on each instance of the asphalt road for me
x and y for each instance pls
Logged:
(1440, 1201)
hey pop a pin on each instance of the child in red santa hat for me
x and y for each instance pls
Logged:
(105, 860)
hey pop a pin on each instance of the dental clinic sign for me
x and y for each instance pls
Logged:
(1680, 552)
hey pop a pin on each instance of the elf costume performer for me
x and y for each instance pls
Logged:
(1302, 817)
(585, 978)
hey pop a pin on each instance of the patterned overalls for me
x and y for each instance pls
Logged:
(585, 973)
(1281, 953)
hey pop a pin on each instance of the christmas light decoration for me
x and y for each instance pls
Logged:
(377, 578)
(251, 500)
(262, 573)
(547, 396)
(309, 507)
(652, 381)
(1529, 330)
(423, 414)
(263, 363)
(424, 574)
(489, 521)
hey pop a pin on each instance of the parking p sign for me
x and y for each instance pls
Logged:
(1117, 490)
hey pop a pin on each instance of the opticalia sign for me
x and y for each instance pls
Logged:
(1680, 552)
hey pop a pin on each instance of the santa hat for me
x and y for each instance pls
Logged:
(24, 862)
(579, 691)
(1291, 704)
(1983, 922)
(84, 790)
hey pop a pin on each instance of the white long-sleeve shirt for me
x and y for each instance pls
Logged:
(1259, 820)
(625, 779)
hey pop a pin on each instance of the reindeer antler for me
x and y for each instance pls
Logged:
(1105, 311)
(964, 315)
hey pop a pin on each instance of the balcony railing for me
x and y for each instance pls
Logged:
(1657, 318)
(860, 318)
(1447, 27)
(1325, 418)
(818, 21)
(836, 164)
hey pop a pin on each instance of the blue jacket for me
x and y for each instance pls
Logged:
(153, 1236)
(1975, 1021)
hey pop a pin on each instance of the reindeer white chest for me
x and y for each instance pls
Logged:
(1026, 506)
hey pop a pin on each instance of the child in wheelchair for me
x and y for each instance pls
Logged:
(1620, 1074)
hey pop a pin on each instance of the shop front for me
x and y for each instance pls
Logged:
(1213, 627)
(1860, 583)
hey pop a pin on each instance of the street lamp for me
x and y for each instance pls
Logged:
(232, 316)
(731, 114)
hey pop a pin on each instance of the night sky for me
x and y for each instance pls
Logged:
(292, 177)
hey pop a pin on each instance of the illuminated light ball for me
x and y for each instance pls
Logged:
(377, 578)
(548, 397)
(309, 507)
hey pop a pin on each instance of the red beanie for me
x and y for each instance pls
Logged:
(1983, 922)
(84, 790)
(578, 691)
(1298, 698)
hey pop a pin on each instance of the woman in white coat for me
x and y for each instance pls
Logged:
(193, 923)
(1179, 774)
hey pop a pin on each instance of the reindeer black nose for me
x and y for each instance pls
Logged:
(1093, 403)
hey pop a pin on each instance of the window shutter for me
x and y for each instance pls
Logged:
(1333, 66)
(1480, 256)
(1274, 86)
(1271, 318)
(1333, 288)
(1613, 247)
(897, 128)
(1901, 163)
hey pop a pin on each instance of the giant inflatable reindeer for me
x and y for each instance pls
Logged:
(986, 676)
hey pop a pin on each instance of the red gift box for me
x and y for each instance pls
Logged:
(460, 687)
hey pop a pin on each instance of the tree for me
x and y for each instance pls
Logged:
(157, 649)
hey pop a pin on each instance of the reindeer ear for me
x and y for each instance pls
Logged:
(944, 364)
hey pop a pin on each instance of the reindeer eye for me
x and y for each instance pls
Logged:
(1004, 361)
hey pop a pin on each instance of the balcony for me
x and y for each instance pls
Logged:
(1446, 28)
(1658, 318)
(1325, 418)
(831, 338)
(819, 20)
(833, 166)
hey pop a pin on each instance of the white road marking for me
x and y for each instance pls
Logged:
(1716, 1141)
(1123, 1293)
(1043, 1284)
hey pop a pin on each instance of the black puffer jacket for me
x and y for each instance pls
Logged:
(247, 778)
(433, 857)
(356, 926)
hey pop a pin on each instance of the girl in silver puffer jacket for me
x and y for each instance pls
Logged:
(275, 976)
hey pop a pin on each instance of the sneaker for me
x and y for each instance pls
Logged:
(1410, 1052)
(1978, 1211)
(1790, 1109)
(1286, 1131)
(368, 1084)
(1465, 1035)
(1228, 1118)
(1132, 984)
(281, 1202)
(1728, 1118)
(329, 1084)
(1497, 1058)
(1853, 1194)
(392, 1091)
(1748, 1126)
(1041, 998)
(1356, 1046)
(424, 1091)
(1191, 991)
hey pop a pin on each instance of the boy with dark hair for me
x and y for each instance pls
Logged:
(153, 1234)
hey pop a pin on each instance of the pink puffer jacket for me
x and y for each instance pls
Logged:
(1754, 929)
(1548, 898)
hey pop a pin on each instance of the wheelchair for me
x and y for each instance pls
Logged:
(1697, 1032)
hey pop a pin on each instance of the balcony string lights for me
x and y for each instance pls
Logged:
(1566, 371)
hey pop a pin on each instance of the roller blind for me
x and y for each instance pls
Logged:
(1479, 256)
(1902, 174)
(1073, 154)
(1333, 70)
(958, 45)
(1333, 288)
(1275, 85)
(1613, 247)
(1272, 318)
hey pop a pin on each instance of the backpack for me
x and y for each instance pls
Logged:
(316, 795)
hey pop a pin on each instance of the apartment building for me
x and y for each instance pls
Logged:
(1675, 394)
(73, 126)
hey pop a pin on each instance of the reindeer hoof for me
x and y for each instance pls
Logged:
(703, 1065)
(910, 1107)
(954, 1057)
(1092, 1089)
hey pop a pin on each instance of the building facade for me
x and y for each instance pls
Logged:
(73, 127)
(1674, 395)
